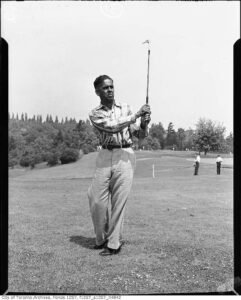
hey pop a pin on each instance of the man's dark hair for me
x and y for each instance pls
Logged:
(100, 79)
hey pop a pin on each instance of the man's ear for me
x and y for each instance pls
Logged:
(97, 92)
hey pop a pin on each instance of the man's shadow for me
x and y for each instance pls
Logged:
(83, 241)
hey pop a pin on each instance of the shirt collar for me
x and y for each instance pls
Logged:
(102, 106)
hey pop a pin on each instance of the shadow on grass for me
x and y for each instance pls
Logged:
(83, 241)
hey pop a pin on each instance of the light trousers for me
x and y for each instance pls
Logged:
(111, 184)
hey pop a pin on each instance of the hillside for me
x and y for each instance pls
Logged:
(83, 168)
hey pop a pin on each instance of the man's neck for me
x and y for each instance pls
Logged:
(107, 103)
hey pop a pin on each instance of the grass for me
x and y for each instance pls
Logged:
(178, 230)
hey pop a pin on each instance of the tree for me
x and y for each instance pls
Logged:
(157, 131)
(30, 135)
(188, 139)
(16, 144)
(12, 161)
(208, 136)
(52, 159)
(154, 143)
(145, 144)
(30, 158)
(149, 143)
(229, 142)
(171, 135)
(42, 145)
(58, 139)
(69, 155)
(11, 143)
(39, 119)
(87, 148)
(33, 142)
(180, 138)
(50, 119)
(87, 136)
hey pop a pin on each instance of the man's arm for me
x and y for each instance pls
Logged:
(104, 123)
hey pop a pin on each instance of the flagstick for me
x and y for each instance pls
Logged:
(153, 171)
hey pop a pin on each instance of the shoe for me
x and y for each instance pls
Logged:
(109, 251)
(102, 246)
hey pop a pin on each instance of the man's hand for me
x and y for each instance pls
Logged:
(145, 109)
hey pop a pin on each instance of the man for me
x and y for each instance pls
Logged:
(196, 163)
(115, 164)
(218, 163)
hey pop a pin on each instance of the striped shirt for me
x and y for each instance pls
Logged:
(117, 125)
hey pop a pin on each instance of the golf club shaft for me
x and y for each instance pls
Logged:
(147, 88)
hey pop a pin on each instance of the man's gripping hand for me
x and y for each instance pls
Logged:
(145, 109)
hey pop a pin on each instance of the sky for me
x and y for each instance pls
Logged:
(58, 48)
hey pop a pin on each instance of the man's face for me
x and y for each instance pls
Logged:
(106, 90)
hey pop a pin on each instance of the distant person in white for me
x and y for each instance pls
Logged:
(196, 163)
(218, 163)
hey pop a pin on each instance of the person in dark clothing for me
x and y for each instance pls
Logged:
(196, 163)
(218, 163)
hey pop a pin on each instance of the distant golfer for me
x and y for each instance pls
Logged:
(115, 164)
(196, 163)
(218, 163)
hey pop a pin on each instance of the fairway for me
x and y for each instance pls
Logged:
(178, 229)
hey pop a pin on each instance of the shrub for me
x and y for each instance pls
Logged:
(24, 161)
(30, 159)
(69, 155)
(12, 161)
(52, 159)
(87, 148)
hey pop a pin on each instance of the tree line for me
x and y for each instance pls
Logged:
(207, 136)
(34, 140)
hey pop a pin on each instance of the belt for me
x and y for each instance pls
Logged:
(111, 147)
